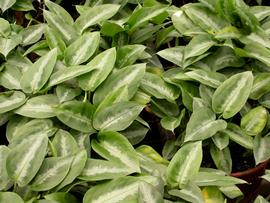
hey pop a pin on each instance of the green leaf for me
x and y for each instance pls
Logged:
(116, 148)
(129, 76)
(52, 171)
(261, 148)
(203, 124)
(76, 114)
(260, 85)
(6, 4)
(111, 28)
(169, 149)
(5, 182)
(212, 79)
(66, 31)
(5, 27)
(59, 11)
(212, 194)
(170, 123)
(150, 153)
(260, 12)
(77, 165)
(174, 55)
(10, 77)
(189, 91)
(221, 139)
(213, 179)
(23, 5)
(11, 100)
(103, 65)
(24, 161)
(64, 144)
(255, 120)
(163, 108)
(128, 54)
(96, 15)
(96, 170)
(120, 190)
(265, 100)
(61, 197)
(222, 158)
(10, 197)
(144, 14)
(39, 107)
(198, 46)
(32, 34)
(7, 45)
(190, 193)
(185, 164)
(54, 40)
(65, 93)
(142, 35)
(117, 117)
(260, 199)
(37, 75)
(156, 86)
(231, 191)
(232, 94)
(239, 136)
(82, 48)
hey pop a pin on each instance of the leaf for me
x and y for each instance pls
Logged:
(61, 197)
(65, 74)
(54, 40)
(142, 35)
(212, 179)
(239, 136)
(261, 148)
(232, 94)
(222, 158)
(198, 46)
(129, 76)
(163, 108)
(212, 79)
(111, 28)
(170, 123)
(149, 152)
(76, 114)
(37, 75)
(185, 164)
(66, 31)
(24, 161)
(10, 77)
(260, 85)
(260, 12)
(97, 14)
(103, 65)
(52, 171)
(212, 194)
(127, 55)
(116, 191)
(59, 11)
(135, 133)
(148, 193)
(5, 27)
(10, 197)
(203, 124)
(156, 86)
(117, 117)
(174, 55)
(142, 15)
(190, 193)
(6, 4)
(231, 191)
(82, 48)
(221, 139)
(184, 25)
(265, 100)
(254, 121)
(96, 170)
(23, 5)
(64, 144)
(169, 149)
(260, 199)
(115, 148)
(77, 165)
(24, 128)
(5, 182)
(39, 107)
(7, 45)
(65, 93)
(11, 100)
(32, 34)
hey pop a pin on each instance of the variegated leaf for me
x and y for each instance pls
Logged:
(11, 100)
(32, 34)
(6, 4)
(24, 161)
(37, 75)
(39, 107)
(10, 77)
(5, 182)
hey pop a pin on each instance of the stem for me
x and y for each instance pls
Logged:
(85, 96)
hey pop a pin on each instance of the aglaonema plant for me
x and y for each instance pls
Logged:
(73, 89)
